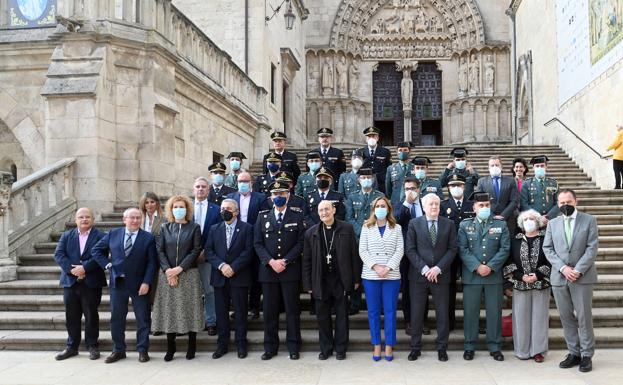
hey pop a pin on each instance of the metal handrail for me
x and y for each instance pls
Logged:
(577, 136)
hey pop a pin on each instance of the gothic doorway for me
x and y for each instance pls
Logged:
(387, 104)
(427, 105)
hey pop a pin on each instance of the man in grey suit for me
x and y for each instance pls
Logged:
(503, 191)
(570, 245)
(431, 247)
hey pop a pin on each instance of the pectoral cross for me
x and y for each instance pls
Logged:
(329, 257)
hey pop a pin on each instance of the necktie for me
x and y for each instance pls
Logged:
(458, 205)
(321, 196)
(279, 220)
(568, 230)
(371, 153)
(413, 213)
(199, 217)
(228, 235)
(128, 244)
(324, 152)
(496, 186)
(433, 232)
(217, 190)
(404, 169)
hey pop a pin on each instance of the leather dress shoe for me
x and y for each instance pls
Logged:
(242, 353)
(323, 356)
(65, 354)
(586, 365)
(211, 330)
(414, 355)
(267, 356)
(219, 353)
(442, 355)
(295, 356)
(94, 354)
(468, 355)
(340, 356)
(497, 355)
(570, 361)
(114, 357)
(143, 357)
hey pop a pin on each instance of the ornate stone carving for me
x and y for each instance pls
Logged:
(341, 69)
(489, 87)
(474, 76)
(353, 75)
(6, 181)
(406, 89)
(463, 77)
(327, 77)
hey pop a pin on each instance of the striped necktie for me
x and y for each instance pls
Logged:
(128, 244)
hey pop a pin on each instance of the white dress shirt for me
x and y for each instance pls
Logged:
(245, 201)
(201, 209)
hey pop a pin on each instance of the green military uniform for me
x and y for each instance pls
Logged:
(540, 195)
(430, 186)
(231, 180)
(305, 185)
(394, 180)
(485, 243)
(348, 184)
(358, 208)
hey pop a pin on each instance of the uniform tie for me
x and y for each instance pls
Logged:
(458, 205)
(322, 196)
(371, 153)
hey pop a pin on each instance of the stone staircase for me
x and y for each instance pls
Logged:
(32, 312)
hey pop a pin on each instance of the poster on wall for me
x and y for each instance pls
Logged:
(590, 40)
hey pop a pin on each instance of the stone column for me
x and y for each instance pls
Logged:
(8, 267)
(406, 92)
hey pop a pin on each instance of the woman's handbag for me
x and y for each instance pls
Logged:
(507, 325)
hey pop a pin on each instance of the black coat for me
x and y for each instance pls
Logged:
(222, 194)
(184, 253)
(379, 163)
(334, 161)
(289, 163)
(349, 264)
(421, 251)
(334, 197)
(450, 210)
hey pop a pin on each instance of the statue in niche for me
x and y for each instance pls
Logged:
(489, 75)
(378, 27)
(353, 74)
(341, 69)
(312, 80)
(327, 77)
(406, 89)
(474, 76)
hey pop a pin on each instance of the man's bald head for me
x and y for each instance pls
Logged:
(326, 212)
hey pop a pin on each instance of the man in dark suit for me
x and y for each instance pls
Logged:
(503, 191)
(262, 182)
(431, 248)
(82, 280)
(278, 242)
(206, 214)
(376, 157)
(133, 263)
(324, 182)
(456, 208)
(331, 271)
(332, 158)
(218, 190)
(249, 206)
(229, 250)
(289, 161)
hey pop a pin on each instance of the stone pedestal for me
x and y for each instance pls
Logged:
(8, 267)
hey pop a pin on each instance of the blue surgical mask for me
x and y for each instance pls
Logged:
(420, 174)
(380, 212)
(234, 164)
(539, 172)
(460, 164)
(244, 187)
(366, 183)
(179, 213)
(314, 166)
(280, 201)
(273, 167)
(403, 156)
(484, 213)
(217, 179)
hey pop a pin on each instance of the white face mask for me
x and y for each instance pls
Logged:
(371, 142)
(529, 225)
(356, 163)
(495, 171)
(456, 192)
(412, 195)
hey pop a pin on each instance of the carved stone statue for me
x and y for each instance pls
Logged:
(489, 76)
(463, 75)
(341, 69)
(327, 77)
(409, 24)
(406, 89)
(353, 72)
(392, 23)
(420, 20)
(378, 27)
(474, 76)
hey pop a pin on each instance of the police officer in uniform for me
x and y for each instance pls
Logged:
(295, 202)
(540, 193)
(307, 182)
(375, 156)
(332, 158)
(484, 245)
(349, 181)
(460, 165)
(397, 172)
(324, 182)
(235, 166)
(278, 241)
(289, 161)
(218, 190)
(427, 185)
(456, 208)
(263, 182)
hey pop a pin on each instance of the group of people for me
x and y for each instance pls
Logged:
(247, 245)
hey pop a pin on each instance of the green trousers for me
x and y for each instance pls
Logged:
(472, 295)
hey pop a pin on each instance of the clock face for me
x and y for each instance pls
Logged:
(32, 13)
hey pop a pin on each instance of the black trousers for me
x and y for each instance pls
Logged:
(255, 290)
(81, 299)
(617, 166)
(333, 297)
(222, 298)
(292, 303)
(455, 268)
(419, 303)
(404, 288)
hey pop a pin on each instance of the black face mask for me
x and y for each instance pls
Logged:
(567, 210)
(227, 215)
(323, 184)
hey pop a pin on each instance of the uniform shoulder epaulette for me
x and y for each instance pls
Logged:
(466, 220)
(264, 211)
(529, 179)
(296, 209)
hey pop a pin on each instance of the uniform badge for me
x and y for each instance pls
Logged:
(449, 210)
(431, 189)
(267, 224)
(265, 181)
(495, 230)
(311, 200)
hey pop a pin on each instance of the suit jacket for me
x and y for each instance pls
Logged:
(508, 201)
(254, 205)
(421, 251)
(67, 253)
(346, 254)
(138, 267)
(313, 200)
(239, 255)
(289, 163)
(213, 215)
(334, 161)
(223, 192)
(379, 163)
(581, 255)
(403, 216)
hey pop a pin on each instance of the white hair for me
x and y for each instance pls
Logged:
(127, 211)
(202, 178)
(540, 220)
(232, 201)
(428, 197)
